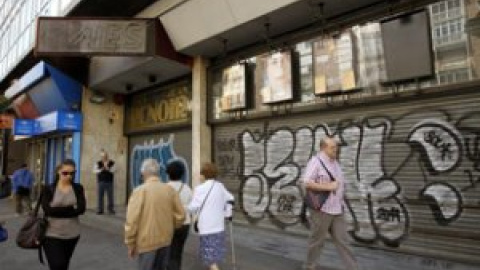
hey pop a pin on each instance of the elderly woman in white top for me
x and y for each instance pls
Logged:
(210, 202)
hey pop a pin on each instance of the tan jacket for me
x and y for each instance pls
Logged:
(154, 211)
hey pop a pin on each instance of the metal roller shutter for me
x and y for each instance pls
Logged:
(413, 172)
(165, 147)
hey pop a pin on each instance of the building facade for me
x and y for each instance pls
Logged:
(254, 86)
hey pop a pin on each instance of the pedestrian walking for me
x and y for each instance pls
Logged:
(329, 216)
(105, 169)
(154, 211)
(22, 182)
(62, 202)
(209, 203)
(175, 171)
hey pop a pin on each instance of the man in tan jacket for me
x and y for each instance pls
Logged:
(154, 211)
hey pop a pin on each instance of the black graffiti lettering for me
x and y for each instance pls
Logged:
(473, 151)
(427, 262)
(228, 145)
(226, 162)
(435, 139)
(272, 161)
(472, 180)
(285, 203)
(388, 214)
(435, 264)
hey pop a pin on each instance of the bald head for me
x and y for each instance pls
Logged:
(104, 155)
(329, 147)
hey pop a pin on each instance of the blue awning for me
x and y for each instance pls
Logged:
(48, 88)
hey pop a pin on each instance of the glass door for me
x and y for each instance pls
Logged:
(37, 163)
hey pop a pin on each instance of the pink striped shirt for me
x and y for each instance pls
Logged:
(314, 172)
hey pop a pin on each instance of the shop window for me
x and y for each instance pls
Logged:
(449, 32)
(67, 148)
(354, 59)
(453, 76)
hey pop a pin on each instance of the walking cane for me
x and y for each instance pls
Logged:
(234, 262)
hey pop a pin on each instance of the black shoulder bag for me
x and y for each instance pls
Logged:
(32, 233)
(315, 199)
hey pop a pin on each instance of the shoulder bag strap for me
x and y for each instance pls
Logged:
(39, 202)
(325, 167)
(180, 189)
(201, 207)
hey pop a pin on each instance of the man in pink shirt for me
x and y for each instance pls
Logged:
(329, 218)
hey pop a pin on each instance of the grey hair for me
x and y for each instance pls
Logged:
(323, 141)
(150, 167)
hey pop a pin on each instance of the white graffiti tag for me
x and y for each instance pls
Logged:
(274, 161)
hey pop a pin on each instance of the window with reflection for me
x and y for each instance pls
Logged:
(355, 59)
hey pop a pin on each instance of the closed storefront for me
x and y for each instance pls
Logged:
(411, 169)
(408, 141)
(158, 124)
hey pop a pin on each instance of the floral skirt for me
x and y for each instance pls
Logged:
(212, 248)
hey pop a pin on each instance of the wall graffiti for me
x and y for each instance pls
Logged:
(162, 151)
(391, 166)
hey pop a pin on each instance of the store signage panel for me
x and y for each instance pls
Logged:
(71, 121)
(158, 108)
(334, 63)
(46, 123)
(23, 127)
(274, 77)
(234, 86)
(59, 121)
(71, 36)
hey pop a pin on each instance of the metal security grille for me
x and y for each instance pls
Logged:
(412, 171)
(163, 146)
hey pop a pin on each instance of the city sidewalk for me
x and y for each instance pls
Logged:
(101, 247)
(96, 249)
(246, 258)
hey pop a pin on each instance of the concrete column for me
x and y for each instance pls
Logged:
(201, 131)
(103, 129)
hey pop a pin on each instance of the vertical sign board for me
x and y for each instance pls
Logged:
(106, 36)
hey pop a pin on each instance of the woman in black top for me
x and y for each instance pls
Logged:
(62, 203)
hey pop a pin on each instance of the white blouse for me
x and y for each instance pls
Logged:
(185, 194)
(211, 218)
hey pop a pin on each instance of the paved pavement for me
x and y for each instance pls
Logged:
(97, 249)
(101, 247)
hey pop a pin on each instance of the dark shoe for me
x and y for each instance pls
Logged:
(111, 212)
(99, 212)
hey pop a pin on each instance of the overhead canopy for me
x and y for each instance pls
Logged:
(44, 89)
(126, 74)
(204, 24)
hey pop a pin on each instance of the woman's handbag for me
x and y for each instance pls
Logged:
(3, 234)
(195, 219)
(32, 233)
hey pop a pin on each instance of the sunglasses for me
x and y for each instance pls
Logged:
(68, 173)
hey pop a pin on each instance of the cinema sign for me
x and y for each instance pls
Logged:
(83, 36)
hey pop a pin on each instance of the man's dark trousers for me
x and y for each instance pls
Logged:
(105, 186)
